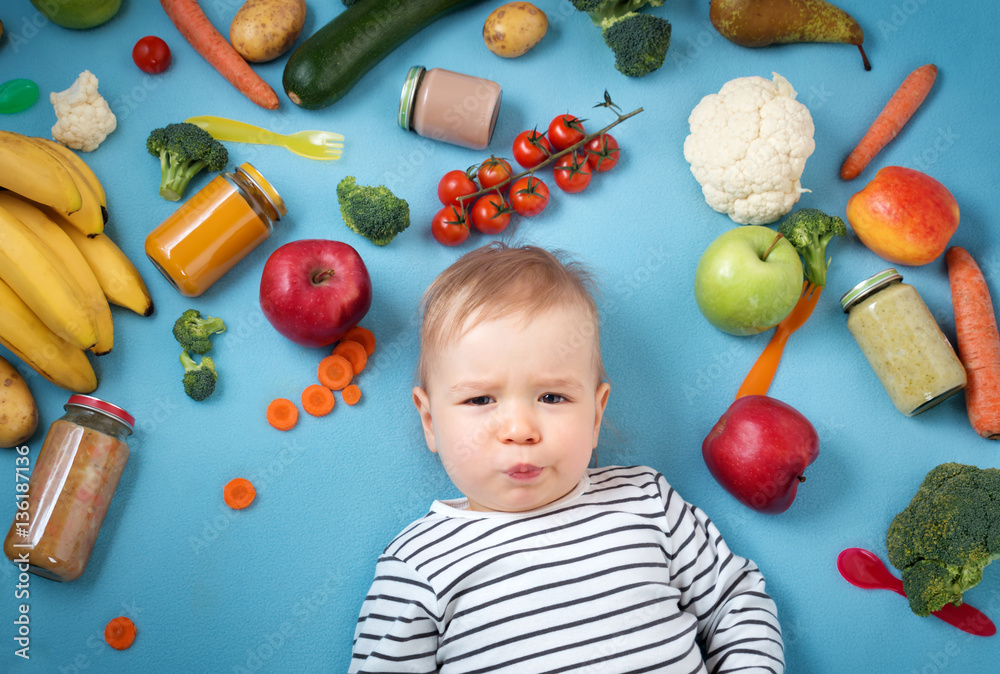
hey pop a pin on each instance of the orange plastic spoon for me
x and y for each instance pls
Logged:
(758, 381)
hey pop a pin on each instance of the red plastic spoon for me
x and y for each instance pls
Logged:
(864, 569)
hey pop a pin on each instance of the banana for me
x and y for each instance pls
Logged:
(120, 280)
(72, 261)
(32, 172)
(29, 266)
(72, 158)
(49, 355)
(91, 215)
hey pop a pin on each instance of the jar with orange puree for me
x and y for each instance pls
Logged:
(215, 229)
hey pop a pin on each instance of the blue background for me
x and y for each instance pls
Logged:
(277, 587)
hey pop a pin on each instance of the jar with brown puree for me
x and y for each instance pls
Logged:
(902, 342)
(72, 482)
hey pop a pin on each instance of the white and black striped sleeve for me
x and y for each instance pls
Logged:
(737, 620)
(398, 627)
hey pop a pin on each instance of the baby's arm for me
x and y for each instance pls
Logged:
(737, 621)
(397, 630)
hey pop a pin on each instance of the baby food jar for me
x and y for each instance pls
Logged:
(903, 343)
(215, 229)
(71, 485)
(449, 106)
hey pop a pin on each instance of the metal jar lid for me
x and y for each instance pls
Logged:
(103, 407)
(870, 285)
(408, 95)
(264, 187)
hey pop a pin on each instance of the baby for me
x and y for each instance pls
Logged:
(547, 565)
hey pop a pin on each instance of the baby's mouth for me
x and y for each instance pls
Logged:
(524, 472)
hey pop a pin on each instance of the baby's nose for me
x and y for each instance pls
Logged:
(518, 425)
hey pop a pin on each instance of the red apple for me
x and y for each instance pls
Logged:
(313, 290)
(904, 216)
(758, 450)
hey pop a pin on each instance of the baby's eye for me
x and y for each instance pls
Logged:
(479, 400)
(552, 398)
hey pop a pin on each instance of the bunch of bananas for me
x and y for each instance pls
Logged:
(58, 270)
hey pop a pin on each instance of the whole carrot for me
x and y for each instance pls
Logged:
(894, 116)
(195, 27)
(978, 341)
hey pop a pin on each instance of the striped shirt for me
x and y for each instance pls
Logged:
(620, 575)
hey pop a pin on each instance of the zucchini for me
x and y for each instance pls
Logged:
(328, 64)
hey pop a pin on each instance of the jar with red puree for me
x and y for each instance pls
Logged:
(73, 480)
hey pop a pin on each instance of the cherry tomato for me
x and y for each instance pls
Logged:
(602, 152)
(493, 171)
(151, 54)
(450, 226)
(529, 196)
(565, 130)
(455, 184)
(531, 148)
(491, 214)
(572, 172)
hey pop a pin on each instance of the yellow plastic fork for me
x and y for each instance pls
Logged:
(311, 144)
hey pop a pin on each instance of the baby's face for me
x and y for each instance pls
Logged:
(514, 409)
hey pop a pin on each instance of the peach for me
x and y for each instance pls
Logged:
(904, 216)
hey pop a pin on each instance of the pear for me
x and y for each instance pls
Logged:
(758, 23)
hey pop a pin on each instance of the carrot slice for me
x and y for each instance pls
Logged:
(317, 400)
(362, 336)
(353, 352)
(351, 394)
(335, 372)
(120, 633)
(238, 493)
(978, 341)
(894, 116)
(282, 414)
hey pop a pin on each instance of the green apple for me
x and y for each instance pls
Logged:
(746, 282)
(78, 13)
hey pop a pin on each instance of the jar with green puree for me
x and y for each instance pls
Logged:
(902, 342)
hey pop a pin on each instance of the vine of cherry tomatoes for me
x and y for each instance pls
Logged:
(484, 195)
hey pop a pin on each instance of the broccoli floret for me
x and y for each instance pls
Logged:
(373, 212)
(810, 230)
(639, 41)
(947, 535)
(184, 149)
(599, 10)
(193, 331)
(199, 378)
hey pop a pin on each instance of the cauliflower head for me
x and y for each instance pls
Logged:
(83, 117)
(748, 147)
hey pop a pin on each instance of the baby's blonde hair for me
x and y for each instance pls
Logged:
(499, 280)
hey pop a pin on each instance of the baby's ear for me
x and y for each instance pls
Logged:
(423, 405)
(603, 391)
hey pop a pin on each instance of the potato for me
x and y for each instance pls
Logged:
(263, 30)
(514, 28)
(18, 413)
